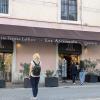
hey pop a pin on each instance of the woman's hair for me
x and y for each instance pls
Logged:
(36, 56)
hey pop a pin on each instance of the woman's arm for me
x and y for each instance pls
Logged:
(30, 69)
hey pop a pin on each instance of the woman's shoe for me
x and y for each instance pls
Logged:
(33, 98)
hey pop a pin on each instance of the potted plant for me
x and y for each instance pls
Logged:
(25, 74)
(91, 76)
(2, 70)
(98, 73)
(50, 80)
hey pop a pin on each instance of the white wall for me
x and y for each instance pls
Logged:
(47, 53)
(92, 52)
(91, 12)
(43, 10)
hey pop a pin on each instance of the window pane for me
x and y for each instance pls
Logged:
(64, 17)
(73, 16)
(64, 2)
(4, 6)
(72, 8)
(64, 9)
(72, 2)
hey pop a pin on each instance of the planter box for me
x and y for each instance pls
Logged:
(91, 78)
(27, 83)
(2, 84)
(51, 81)
(98, 78)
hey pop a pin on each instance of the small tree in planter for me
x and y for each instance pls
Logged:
(50, 80)
(90, 65)
(49, 73)
(25, 74)
(91, 76)
(26, 70)
(97, 71)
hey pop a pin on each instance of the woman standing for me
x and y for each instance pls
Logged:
(82, 75)
(35, 74)
(82, 72)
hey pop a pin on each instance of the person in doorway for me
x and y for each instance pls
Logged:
(60, 68)
(77, 76)
(34, 73)
(64, 69)
(73, 72)
(82, 75)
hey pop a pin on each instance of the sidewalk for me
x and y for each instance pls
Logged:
(70, 84)
(67, 84)
(89, 91)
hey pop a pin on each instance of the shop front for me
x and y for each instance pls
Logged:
(71, 52)
(49, 43)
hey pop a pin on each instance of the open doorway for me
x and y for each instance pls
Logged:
(69, 59)
(71, 52)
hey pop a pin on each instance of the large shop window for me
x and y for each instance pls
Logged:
(69, 10)
(6, 46)
(4, 6)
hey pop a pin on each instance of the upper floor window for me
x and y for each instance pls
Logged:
(4, 6)
(69, 10)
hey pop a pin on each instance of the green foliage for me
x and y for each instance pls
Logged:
(26, 69)
(49, 73)
(2, 67)
(90, 64)
(82, 64)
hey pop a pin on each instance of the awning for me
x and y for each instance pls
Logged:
(30, 33)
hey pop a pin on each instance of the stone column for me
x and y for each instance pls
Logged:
(57, 58)
(14, 62)
(56, 69)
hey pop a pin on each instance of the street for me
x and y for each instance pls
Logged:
(77, 92)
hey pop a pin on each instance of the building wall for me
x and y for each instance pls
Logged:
(41, 10)
(92, 52)
(49, 10)
(91, 12)
(47, 51)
